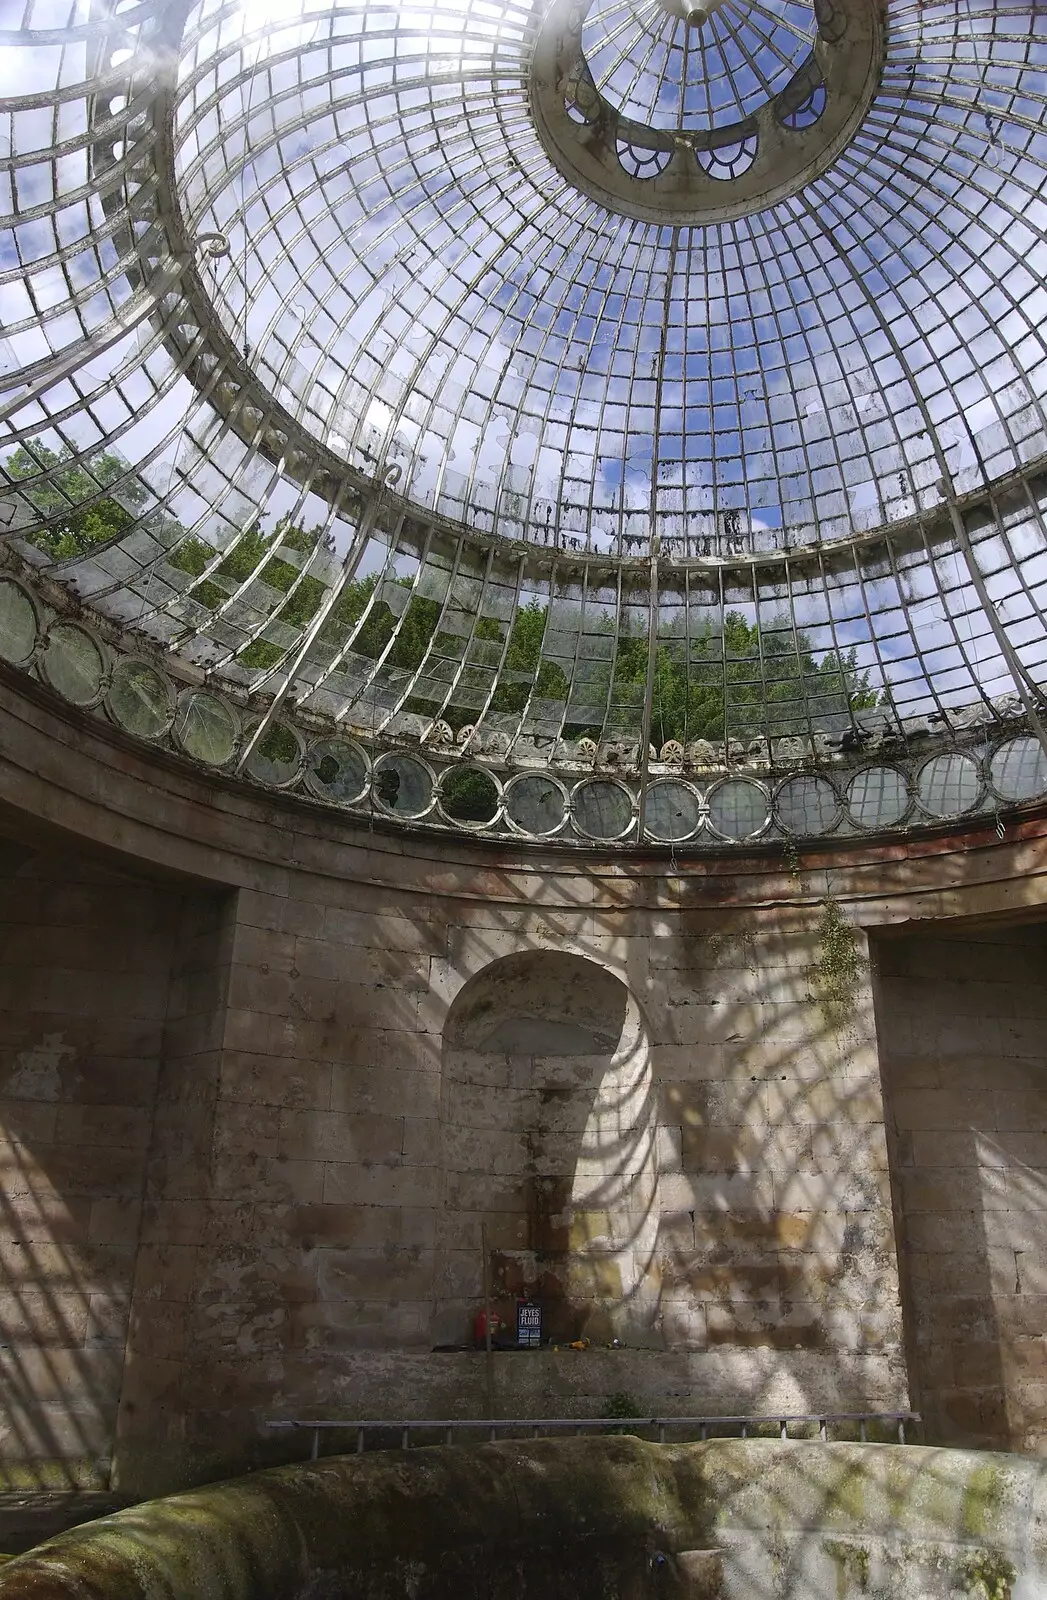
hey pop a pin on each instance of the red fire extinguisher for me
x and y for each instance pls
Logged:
(480, 1326)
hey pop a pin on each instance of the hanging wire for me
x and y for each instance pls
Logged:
(993, 125)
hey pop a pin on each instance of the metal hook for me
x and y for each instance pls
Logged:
(212, 245)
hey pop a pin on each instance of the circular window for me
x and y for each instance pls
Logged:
(402, 785)
(739, 809)
(17, 623)
(277, 757)
(1019, 770)
(949, 785)
(207, 728)
(73, 663)
(672, 811)
(807, 805)
(140, 699)
(878, 797)
(602, 809)
(535, 805)
(469, 795)
(337, 771)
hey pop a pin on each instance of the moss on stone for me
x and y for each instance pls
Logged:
(981, 1501)
(581, 1517)
(852, 1562)
(988, 1575)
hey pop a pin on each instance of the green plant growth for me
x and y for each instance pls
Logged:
(279, 745)
(523, 656)
(837, 968)
(624, 1405)
(852, 1564)
(79, 527)
(988, 1575)
(469, 795)
(981, 1500)
(741, 682)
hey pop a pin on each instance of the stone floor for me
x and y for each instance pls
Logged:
(28, 1518)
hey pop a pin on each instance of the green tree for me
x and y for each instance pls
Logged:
(740, 684)
(78, 528)
(523, 657)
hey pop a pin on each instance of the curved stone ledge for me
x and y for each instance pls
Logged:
(63, 770)
(606, 1517)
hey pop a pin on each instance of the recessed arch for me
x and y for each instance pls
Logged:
(549, 1153)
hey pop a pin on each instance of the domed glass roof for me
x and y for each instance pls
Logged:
(582, 421)
(657, 66)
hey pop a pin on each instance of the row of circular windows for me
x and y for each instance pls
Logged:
(143, 701)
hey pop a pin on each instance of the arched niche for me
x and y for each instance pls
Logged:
(548, 1128)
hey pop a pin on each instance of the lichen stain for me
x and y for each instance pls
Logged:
(36, 1074)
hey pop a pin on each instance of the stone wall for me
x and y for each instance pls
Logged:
(332, 1103)
(706, 1157)
(963, 1029)
(85, 963)
(171, 1307)
(662, 1137)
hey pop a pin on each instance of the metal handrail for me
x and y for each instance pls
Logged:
(580, 1425)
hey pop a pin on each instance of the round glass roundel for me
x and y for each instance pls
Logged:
(402, 785)
(602, 809)
(277, 757)
(673, 811)
(535, 804)
(738, 809)
(469, 795)
(17, 624)
(140, 699)
(949, 785)
(878, 797)
(1019, 770)
(806, 805)
(337, 771)
(207, 728)
(73, 663)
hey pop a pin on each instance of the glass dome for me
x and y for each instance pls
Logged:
(594, 423)
(658, 66)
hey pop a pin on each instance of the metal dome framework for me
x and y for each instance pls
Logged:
(378, 382)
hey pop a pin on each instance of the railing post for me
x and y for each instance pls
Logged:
(708, 1427)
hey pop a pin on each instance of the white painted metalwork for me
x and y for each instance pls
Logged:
(397, 430)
